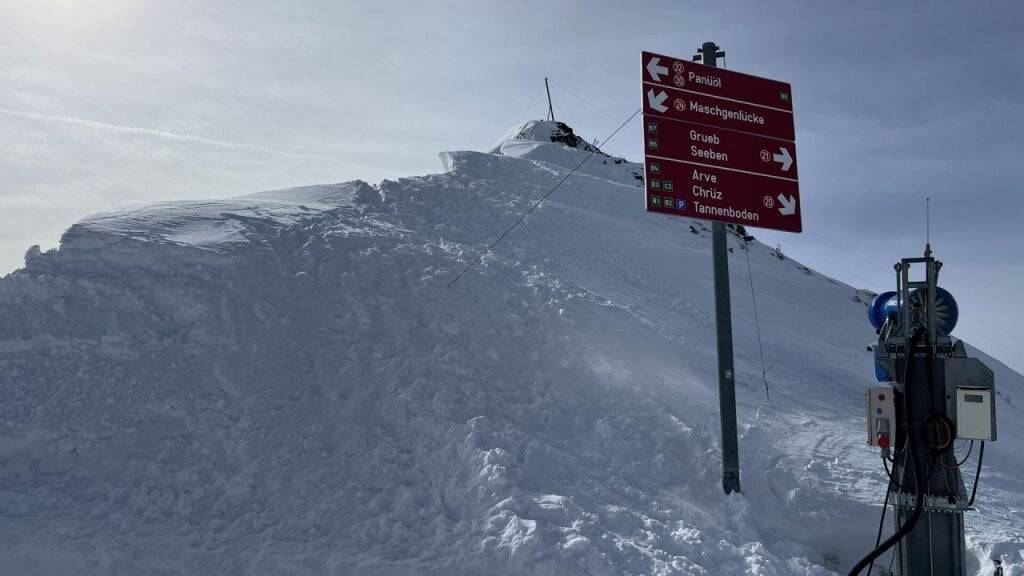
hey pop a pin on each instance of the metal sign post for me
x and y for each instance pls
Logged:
(723, 328)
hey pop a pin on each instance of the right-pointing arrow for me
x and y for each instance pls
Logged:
(657, 102)
(655, 70)
(783, 158)
(788, 205)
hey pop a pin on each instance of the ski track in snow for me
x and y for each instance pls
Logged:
(281, 383)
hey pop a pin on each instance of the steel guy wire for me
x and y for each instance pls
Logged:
(541, 201)
(529, 106)
(587, 102)
(757, 322)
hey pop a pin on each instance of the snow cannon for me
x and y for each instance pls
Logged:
(888, 304)
(885, 315)
(932, 395)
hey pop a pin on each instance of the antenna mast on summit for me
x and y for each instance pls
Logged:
(551, 111)
(927, 227)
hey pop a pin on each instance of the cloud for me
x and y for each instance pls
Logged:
(85, 122)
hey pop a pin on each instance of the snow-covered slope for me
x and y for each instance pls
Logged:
(283, 383)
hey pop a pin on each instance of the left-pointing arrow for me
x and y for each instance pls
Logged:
(655, 70)
(657, 102)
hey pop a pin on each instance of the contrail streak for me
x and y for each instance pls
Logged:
(159, 134)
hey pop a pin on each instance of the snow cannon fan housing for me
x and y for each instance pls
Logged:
(886, 304)
(886, 311)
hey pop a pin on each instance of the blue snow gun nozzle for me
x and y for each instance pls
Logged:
(876, 315)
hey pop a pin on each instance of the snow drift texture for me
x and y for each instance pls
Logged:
(283, 383)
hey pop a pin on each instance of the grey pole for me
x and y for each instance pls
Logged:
(710, 53)
(551, 111)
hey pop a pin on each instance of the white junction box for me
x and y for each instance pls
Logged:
(974, 413)
(881, 413)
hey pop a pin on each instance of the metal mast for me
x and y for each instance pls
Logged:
(708, 54)
(551, 111)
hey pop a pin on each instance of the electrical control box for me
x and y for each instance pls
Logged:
(881, 414)
(974, 413)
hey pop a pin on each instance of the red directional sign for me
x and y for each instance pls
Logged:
(686, 75)
(700, 191)
(719, 145)
(713, 111)
(710, 145)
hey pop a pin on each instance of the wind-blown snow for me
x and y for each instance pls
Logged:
(282, 383)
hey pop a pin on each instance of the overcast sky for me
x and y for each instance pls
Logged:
(111, 102)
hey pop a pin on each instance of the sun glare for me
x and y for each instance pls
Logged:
(83, 16)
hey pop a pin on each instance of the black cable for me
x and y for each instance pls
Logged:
(977, 474)
(939, 432)
(933, 419)
(881, 521)
(892, 479)
(955, 463)
(892, 560)
(929, 369)
(541, 201)
(919, 478)
(901, 486)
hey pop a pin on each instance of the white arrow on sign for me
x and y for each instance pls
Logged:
(784, 159)
(655, 70)
(788, 205)
(657, 102)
